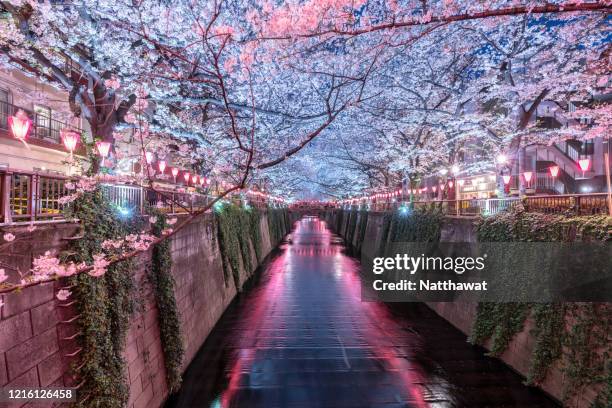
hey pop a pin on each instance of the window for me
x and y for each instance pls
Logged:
(4, 108)
(42, 121)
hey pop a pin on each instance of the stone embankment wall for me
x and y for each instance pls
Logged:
(39, 338)
(462, 314)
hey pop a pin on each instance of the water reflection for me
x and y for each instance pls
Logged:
(302, 337)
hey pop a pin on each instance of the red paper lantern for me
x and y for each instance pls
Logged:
(186, 176)
(584, 164)
(175, 172)
(554, 171)
(103, 148)
(70, 139)
(528, 175)
(20, 125)
(162, 166)
(450, 184)
(194, 179)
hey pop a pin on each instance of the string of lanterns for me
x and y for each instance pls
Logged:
(21, 125)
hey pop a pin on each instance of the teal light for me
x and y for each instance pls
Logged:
(218, 207)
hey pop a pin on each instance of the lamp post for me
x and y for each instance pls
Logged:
(162, 166)
(175, 173)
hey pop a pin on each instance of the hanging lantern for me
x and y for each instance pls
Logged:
(442, 187)
(506, 179)
(194, 179)
(149, 157)
(527, 175)
(162, 166)
(20, 125)
(554, 171)
(451, 184)
(103, 149)
(584, 164)
(434, 189)
(461, 182)
(175, 173)
(203, 180)
(186, 177)
(70, 140)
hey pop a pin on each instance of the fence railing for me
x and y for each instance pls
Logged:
(577, 204)
(28, 197)
(43, 126)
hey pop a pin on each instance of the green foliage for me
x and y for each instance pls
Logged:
(351, 226)
(363, 224)
(239, 229)
(278, 224)
(104, 304)
(500, 322)
(573, 332)
(549, 321)
(234, 225)
(519, 225)
(587, 345)
(160, 275)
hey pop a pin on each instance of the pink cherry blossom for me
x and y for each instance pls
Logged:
(8, 237)
(63, 294)
(171, 221)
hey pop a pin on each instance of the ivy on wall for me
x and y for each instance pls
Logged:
(160, 275)
(278, 224)
(239, 230)
(104, 304)
(573, 333)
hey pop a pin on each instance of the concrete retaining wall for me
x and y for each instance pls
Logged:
(463, 314)
(34, 347)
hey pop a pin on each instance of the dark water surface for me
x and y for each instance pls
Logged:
(301, 337)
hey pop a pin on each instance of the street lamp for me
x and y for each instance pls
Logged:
(186, 177)
(149, 157)
(175, 173)
(506, 179)
(162, 166)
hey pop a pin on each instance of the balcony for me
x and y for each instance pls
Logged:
(45, 132)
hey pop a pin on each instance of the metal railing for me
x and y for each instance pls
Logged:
(28, 197)
(43, 127)
(576, 204)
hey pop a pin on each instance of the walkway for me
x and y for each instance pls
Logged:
(301, 337)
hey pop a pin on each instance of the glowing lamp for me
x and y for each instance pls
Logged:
(442, 187)
(584, 164)
(554, 171)
(202, 180)
(103, 149)
(20, 125)
(162, 166)
(528, 175)
(506, 179)
(461, 182)
(434, 188)
(70, 140)
(501, 159)
(455, 169)
(194, 179)
(149, 157)
(186, 176)
(450, 184)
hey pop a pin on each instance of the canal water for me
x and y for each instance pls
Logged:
(301, 337)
